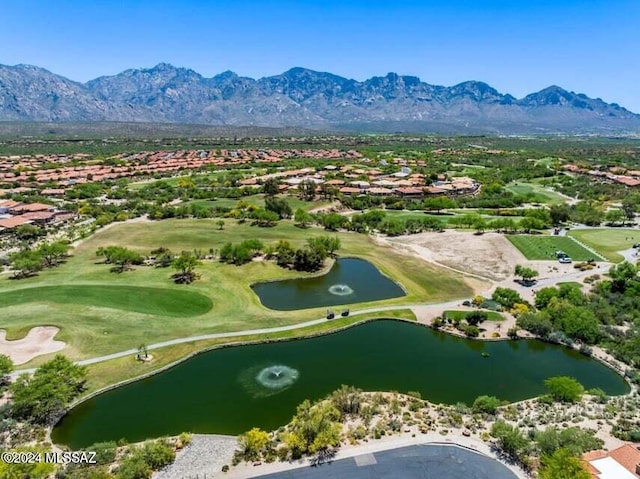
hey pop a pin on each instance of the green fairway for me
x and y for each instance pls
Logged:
(95, 320)
(535, 193)
(545, 247)
(156, 301)
(608, 241)
(258, 200)
(491, 315)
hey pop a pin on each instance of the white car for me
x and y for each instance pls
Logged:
(565, 260)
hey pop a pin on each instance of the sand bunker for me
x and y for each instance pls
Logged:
(37, 342)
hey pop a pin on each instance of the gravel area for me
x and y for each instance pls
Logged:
(202, 459)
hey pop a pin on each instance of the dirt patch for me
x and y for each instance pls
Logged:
(488, 256)
(38, 341)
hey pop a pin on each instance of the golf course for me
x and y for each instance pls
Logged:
(100, 312)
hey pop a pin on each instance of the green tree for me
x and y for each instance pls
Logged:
(615, 216)
(559, 214)
(271, 187)
(307, 259)
(564, 389)
(253, 444)
(265, 218)
(438, 203)
(562, 465)
(302, 218)
(506, 297)
(486, 404)
(472, 331)
(53, 253)
(279, 206)
(332, 221)
(480, 224)
(326, 245)
(26, 263)
(537, 323)
(157, 454)
(220, 224)
(134, 467)
(186, 265)
(307, 190)
(476, 317)
(347, 399)
(630, 206)
(544, 296)
(621, 275)
(575, 439)
(529, 223)
(510, 439)
(527, 274)
(6, 367)
(28, 232)
(314, 429)
(105, 452)
(284, 252)
(119, 256)
(42, 397)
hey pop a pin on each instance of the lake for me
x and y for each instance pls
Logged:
(230, 390)
(350, 280)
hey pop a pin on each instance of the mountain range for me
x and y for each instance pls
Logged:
(302, 98)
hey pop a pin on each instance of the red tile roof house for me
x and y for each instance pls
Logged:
(39, 217)
(410, 191)
(13, 222)
(348, 190)
(621, 463)
(6, 205)
(379, 191)
(30, 208)
(627, 180)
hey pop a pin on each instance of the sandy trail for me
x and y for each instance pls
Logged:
(38, 341)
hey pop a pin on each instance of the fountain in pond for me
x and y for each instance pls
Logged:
(277, 377)
(266, 381)
(340, 290)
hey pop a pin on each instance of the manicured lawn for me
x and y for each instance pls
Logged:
(545, 247)
(608, 241)
(406, 215)
(573, 284)
(156, 301)
(536, 193)
(93, 323)
(491, 315)
(258, 200)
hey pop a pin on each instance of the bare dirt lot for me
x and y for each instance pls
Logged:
(38, 341)
(489, 256)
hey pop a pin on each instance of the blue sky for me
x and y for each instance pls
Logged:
(589, 46)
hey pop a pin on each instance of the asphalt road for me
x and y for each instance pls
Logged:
(414, 462)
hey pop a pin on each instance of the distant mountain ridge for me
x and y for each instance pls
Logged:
(302, 98)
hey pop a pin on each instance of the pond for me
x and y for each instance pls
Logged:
(350, 280)
(231, 390)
